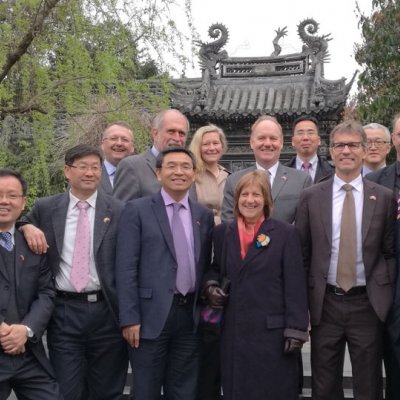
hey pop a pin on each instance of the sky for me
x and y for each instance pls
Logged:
(252, 25)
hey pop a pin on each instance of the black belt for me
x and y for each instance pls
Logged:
(181, 300)
(355, 290)
(87, 297)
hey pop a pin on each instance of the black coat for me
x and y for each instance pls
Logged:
(267, 303)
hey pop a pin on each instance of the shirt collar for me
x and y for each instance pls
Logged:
(154, 151)
(313, 161)
(168, 200)
(91, 200)
(271, 170)
(356, 183)
(110, 168)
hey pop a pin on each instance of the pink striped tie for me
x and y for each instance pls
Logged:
(80, 259)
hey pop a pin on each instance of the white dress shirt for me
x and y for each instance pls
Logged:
(272, 171)
(313, 165)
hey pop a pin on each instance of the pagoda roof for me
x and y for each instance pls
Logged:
(285, 85)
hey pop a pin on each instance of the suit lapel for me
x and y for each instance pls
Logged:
(266, 227)
(279, 182)
(161, 214)
(195, 211)
(325, 208)
(102, 218)
(151, 161)
(368, 207)
(59, 217)
(20, 255)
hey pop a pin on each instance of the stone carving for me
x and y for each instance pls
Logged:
(280, 33)
(315, 46)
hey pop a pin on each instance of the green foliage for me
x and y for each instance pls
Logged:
(83, 69)
(379, 55)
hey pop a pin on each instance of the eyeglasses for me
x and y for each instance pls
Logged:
(85, 168)
(174, 167)
(377, 142)
(351, 145)
(11, 196)
(115, 139)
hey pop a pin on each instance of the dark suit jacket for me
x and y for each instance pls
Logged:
(324, 169)
(49, 214)
(105, 184)
(35, 294)
(314, 222)
(146, 263)
(385, 176)
(136, 177)
(286, 189)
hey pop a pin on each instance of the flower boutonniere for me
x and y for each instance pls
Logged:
(262, 240)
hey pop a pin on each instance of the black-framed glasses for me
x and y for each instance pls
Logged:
(378, 143)
(339, 146)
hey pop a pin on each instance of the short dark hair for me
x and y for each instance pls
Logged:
(305, 118)
(9, 172)
(168, 150)
(80, 151)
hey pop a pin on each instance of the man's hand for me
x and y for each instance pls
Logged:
(13, 338)
(216, 297)
(293, 345)
(35, 238)
(131, 335)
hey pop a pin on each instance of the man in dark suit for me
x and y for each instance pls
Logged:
(266, 141)
(136, 175)
(389, 176)
(117, 143)
(346, 226)
(26, 303)
(86, 347)
(163, 249)
(305, 141)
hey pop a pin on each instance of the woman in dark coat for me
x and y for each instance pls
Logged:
(265, 315)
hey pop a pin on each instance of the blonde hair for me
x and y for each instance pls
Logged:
(195, 144)
(256, 178)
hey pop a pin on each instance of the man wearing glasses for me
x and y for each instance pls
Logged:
(378, 147)
(346, 227)
(85, 344)
(117, 143)
(306, 141)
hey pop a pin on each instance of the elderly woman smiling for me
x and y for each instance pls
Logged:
(265, 314)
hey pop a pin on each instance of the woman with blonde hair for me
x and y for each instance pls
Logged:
(208, 145)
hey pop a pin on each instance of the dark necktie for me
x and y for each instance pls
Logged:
(183, 275)
(6, 240)
(346, 268)
(80, 259)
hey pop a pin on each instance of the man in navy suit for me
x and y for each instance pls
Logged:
(163, 249)
(26, 303)
(86, 347)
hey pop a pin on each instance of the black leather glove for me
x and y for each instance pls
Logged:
(292, 345)
(216, 297)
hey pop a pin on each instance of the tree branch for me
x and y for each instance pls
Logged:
(14, 55)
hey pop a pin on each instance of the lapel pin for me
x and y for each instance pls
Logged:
(284, 178)
(372, 197)
(22, 257)
(106, 220)
(198, 223)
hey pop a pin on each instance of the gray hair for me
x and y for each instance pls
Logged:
(374, 125)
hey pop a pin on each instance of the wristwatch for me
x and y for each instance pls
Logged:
(29, 332)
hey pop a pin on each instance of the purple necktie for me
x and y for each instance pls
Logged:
(306, 167)
(183, 276)
(80, 259)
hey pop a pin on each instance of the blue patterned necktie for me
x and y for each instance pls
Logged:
(6, 240)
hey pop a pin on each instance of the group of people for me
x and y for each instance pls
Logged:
(119, 267)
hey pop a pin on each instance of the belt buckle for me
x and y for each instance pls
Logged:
(92, 298)
(338, 293)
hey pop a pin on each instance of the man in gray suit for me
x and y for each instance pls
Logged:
(136, 175)
(266, 141)
(346, 226)
(117, 143)
(85, 344)
(163, 250)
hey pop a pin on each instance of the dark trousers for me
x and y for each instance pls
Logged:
(351, 320)
(26, 376)
(392, 368)
(169, 361)
(210, 372)
(87, 351)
